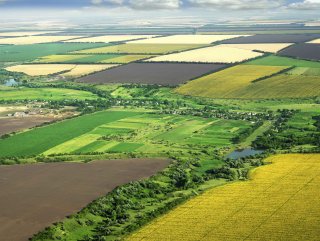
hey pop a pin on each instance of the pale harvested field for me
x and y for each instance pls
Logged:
(35, 39)
(41, 69)
(84, 69)
(186, 39)
(267, 47)
(215, 54)
(280, 202)
(25, 33)
(110, 38)
(316, 41)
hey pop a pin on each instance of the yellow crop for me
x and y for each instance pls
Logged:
(280, 202)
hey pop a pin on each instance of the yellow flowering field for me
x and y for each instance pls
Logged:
(281, 201)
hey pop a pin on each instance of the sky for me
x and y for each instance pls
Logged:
(146, 11)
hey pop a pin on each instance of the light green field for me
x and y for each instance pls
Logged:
(141, 49)
(228, 83)
(283, 61)
(23, 93)
(304, 71)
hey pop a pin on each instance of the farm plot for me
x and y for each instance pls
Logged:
(315, 41)
(37, 195)
(126, 132)
(25, 33)
(63, 69)
(110, 38)
(88, 58)
(279, 202)
(151, 73)
(186, 39)
(40, 140)
(302, 51)
(215, 54)
(17, 53)
(35, 39)
(273, 38)
(267, 47)
(130, 48)
(23, 93)
(227, 83)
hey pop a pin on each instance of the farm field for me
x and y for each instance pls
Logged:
(215, 54)
(109, 38)
(131, 48)
(16, 53)
(266, 47)
(185, 39)
(229, 82)
(315, 41)
(125, 132)
(61, 69)
(52, 191)
(273, 38)
(302, 51)
(35, 39)
(273, 60)
(151, 73)
(12, 124)
(25, 33)
(23, 93)
(284, 193)
(86, 58)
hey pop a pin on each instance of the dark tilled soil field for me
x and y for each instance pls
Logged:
(273, 38)
(302, 51)
(12, 124)
(168, 74)
(34, 196)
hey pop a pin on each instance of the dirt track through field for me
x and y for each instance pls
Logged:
(36, 195)
(12, 124)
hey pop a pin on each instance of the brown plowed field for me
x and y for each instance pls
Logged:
(36, 195)
(12, 124)
(171, 74)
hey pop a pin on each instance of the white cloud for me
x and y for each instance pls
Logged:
(155, 4)
(112, 2)
(237, 4)
(306, 5)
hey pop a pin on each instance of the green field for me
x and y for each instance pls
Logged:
(125, 131)
(88, 58)
(23, 93)
(17, 53)
(228, 83)
(141, 49)
(283, 61)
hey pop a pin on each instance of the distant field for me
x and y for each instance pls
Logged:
(141, 48)
(35, 39)
(88, 58)
(24, 33)
(186, 39)
(152, 73)
(227, 83)
(215, 54)
(303, 51)
(64, 69)
(268, 47)
(23, 93)
(315, 41)
(283, 61)
(279, 202)
(273, 38)
(16, 53)
(110, 38)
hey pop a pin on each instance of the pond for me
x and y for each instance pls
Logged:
(243, 153)
(11, 82)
